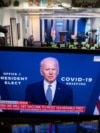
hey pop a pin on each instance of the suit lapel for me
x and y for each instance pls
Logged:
(57, 92)
(41, 91)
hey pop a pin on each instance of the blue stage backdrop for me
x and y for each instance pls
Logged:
(62, 25)
(80, 72)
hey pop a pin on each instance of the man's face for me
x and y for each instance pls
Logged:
(49, 71)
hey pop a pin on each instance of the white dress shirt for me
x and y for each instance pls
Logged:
(53, 87)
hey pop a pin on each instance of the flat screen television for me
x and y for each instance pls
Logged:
(44, 127)
(90, 126)
(79, 73)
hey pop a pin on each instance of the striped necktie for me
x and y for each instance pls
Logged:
(49, 95)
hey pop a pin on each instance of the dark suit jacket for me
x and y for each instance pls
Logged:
(35, 94)
(4, 94)
(94, 97)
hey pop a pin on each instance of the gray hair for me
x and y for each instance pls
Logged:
(49, 58)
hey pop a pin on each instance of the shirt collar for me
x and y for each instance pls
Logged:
(53, 83)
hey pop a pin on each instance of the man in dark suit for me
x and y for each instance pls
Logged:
(4, 94)
(61, 94)
(93, 106)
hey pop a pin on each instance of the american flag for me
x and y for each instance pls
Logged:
(97, 107)
(53, 34)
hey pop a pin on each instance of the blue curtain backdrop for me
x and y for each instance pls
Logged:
(62, 25)
(81, 29)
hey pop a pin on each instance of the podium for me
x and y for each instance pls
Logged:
(62, 35)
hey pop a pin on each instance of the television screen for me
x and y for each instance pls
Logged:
(36, 128)
(90, 126)
(67, 127)
(73, 77)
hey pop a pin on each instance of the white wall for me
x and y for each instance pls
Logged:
(5, 15)
(35, 27)
(95, 22)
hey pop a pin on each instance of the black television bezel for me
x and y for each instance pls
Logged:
(15, 117)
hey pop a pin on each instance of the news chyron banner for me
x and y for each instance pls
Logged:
(79, 71)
